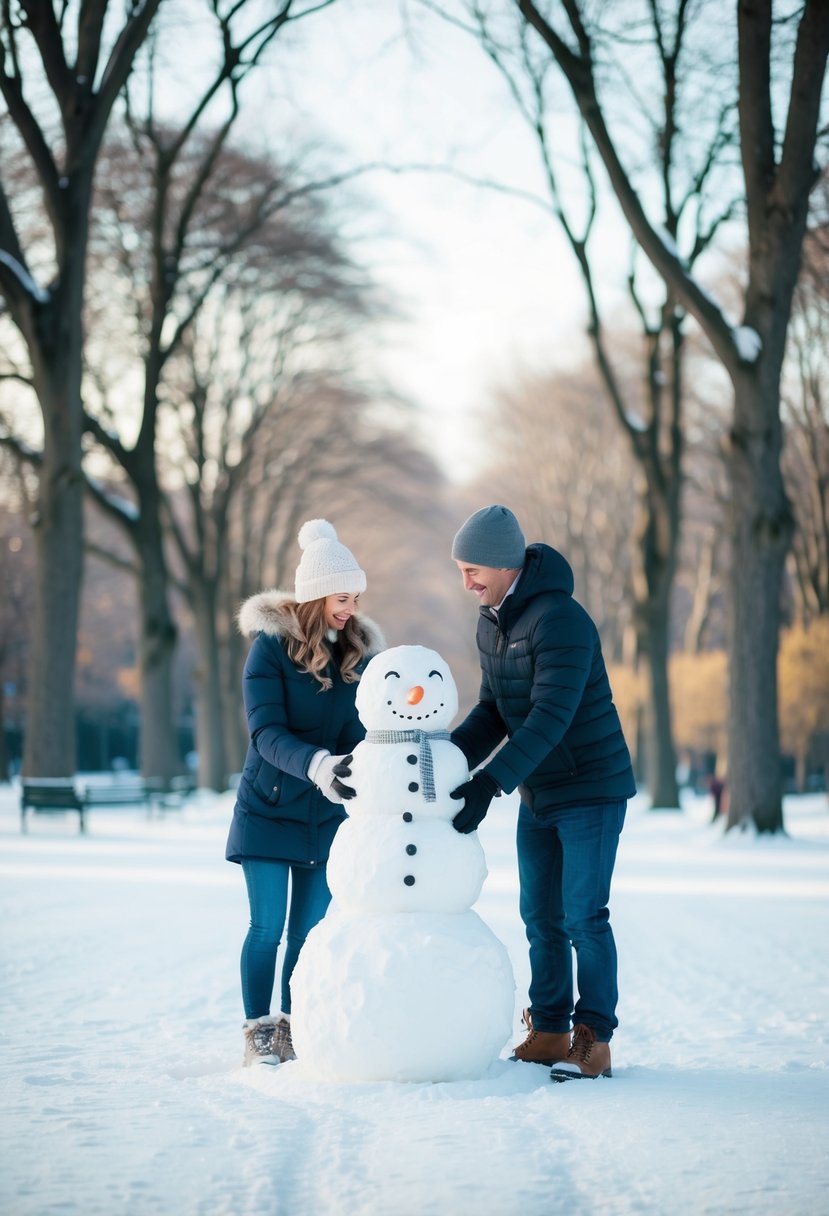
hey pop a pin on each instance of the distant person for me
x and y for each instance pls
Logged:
(717, 787)
(544, 689)
(299, 688)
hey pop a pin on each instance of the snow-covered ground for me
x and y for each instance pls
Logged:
(123, 1093)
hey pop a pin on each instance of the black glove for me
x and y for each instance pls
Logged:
(327, 778)
(477, 793)
(343, 769)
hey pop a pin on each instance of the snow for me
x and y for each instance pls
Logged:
(748, 342)
(123, 1091)
(24, 278)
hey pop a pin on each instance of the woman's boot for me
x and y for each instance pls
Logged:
(267, 1039)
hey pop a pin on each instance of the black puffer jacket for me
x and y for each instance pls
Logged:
(279, 813)
(544, 685)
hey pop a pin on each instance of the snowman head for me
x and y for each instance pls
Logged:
(405, 688)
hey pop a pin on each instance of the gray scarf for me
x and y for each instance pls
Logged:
(421, 737)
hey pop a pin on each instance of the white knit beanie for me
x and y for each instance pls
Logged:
(326, 567)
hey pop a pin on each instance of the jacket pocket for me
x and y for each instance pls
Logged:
(268, 783)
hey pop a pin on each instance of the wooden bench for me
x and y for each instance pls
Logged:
(118, 793)
(56, 795)
(51, 796)
(172, 794)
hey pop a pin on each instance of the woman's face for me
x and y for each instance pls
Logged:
(338, 608)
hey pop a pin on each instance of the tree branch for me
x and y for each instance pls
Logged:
(579, 75)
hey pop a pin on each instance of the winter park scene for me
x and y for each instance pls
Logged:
(414, 608)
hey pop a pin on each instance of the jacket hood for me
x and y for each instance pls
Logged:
(269, 612)
(545, 569)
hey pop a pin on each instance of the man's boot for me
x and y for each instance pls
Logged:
(586, 1059)
(541, 1046)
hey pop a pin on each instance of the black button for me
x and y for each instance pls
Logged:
(412, 759)
(411, 849)
(409, 880)
(413, 786)
(407, 816)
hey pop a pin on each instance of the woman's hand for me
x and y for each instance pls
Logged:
(326, 771)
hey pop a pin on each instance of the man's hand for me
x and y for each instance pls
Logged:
(477, 794)
(326, 774)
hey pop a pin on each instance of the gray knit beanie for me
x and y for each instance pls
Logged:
(490, 537)
(326, 566)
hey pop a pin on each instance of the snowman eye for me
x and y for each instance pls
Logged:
(435, 673)
(392, 673)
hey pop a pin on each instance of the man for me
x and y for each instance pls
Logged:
(544, 686)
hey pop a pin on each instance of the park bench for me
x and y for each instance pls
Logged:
(172, 794)
(156, 793)
(54, 796)
(117, 793)
(51, 796)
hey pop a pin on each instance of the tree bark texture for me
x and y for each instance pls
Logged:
(56, 351)
(210, 734)
(158, 636)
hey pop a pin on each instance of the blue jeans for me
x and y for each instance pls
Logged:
(565, 862)
(267, 884)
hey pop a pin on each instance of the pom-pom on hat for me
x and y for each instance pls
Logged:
(490, 537)
(326, 566)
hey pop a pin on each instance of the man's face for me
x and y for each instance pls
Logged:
(489, 584)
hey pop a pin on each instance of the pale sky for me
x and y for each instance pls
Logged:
(487, 278)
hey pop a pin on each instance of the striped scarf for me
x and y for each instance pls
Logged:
(421, 737)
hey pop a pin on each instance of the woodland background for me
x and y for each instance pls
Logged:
(186, 333)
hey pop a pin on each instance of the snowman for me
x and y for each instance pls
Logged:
(401, 980)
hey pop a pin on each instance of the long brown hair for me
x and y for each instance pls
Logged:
(309, 650)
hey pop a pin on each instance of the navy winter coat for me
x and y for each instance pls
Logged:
(544, 685)
(279, 813)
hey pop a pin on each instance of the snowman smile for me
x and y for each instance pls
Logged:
(417, 717)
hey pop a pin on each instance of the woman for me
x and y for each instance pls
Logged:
(299, 687)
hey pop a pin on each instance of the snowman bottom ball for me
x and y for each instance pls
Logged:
(401, 997)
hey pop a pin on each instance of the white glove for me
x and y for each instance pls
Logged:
(325, 771)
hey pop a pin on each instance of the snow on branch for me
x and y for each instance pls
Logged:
(116, 503)
(748, 342)
(24, 278)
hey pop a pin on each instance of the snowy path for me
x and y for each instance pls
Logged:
(120, 1030)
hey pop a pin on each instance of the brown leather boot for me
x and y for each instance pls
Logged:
(586, 1059)
(541, 1046)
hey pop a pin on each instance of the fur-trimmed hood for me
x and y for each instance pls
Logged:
(268, 613)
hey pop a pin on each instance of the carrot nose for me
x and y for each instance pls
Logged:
(415, 695)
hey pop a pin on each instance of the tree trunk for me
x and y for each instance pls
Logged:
(235, 733)
(4, 751)
(660, 752)
(761, 530)
(49, 746)
(209, 704)
(158, 637)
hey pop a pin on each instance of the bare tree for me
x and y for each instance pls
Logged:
(181, 210)
(806, 400)
(244, 384)
(59, 85)
(779, 172)
(648, 408)
(554, 458)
